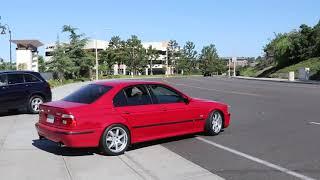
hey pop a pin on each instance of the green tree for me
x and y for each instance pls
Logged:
(152, 55)
(298, 45)
(83, 61)
(42, 64)
(22, 66)
(114, 54)
(135, 55)
(5, 65)
(188, 60)
(210, 62)
(173, 53)
(61, 65)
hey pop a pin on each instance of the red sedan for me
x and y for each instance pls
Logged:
(114, 114)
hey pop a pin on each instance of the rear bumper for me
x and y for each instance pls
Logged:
(69, 138)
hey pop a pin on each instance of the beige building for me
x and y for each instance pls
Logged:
(240, 62)
(158, 66)
(91, 45)
(27, 54)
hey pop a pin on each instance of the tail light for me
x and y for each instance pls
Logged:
(47, 86)
(68, 120)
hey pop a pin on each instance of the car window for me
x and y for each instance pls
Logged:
(3, 80)
(30, 78)
(88, 94)
(137, 95)
(165, 94)
(120, 99)
(15, 78)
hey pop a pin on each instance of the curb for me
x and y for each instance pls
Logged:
(278, 80)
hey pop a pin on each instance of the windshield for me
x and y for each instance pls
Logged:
(88, 94)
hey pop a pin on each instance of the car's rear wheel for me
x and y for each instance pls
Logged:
(115, 140)
(34, 104)
(214, 123)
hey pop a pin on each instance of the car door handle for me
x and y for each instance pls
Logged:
(163, 109)
(126, 112)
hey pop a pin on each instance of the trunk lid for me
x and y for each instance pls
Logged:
(51, 113)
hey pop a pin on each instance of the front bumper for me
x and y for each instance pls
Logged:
(227, 120)
(69, 138)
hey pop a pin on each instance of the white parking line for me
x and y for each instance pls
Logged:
(260, 161)
(316, 123)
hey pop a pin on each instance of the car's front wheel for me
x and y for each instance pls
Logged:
(115, 140)
(214, 123)
(34, 104)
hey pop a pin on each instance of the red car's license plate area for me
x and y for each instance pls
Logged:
(50, 115)
(50, 118)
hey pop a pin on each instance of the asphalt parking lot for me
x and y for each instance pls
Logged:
(273, 135)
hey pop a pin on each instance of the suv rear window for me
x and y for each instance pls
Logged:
(88, 94)
(30, 78)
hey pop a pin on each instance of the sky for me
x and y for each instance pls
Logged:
(237, 28)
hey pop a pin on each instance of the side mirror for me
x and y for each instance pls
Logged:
(186, 99)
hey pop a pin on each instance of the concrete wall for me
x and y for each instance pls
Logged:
(24, 56)
(27, 57)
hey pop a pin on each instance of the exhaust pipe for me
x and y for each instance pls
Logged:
(60, 144)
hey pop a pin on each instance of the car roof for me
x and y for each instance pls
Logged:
(13, 71)
(125, 82)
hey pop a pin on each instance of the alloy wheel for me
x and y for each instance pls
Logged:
(116, 139)
(35, 103)
(216, 122)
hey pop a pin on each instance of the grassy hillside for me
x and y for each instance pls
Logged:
(313, 64)
(249, 72)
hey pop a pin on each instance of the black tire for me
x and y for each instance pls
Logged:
(105, 147)
(209, 127)
(31, 107)
(41, 137)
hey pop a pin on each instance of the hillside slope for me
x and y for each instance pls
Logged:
(313, 64)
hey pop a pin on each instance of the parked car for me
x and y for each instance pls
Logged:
(23, 89)
(205, 74)
(114, 114)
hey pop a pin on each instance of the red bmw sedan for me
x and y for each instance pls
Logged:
(112, 115)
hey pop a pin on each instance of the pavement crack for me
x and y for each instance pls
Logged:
(137, 168)
(7, 134)
(67, 168)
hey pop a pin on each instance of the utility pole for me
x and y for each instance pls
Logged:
(234, 59)
(167, 63)
(132, 71)
(96, 52)
(151, 73)
(97, 63)
(229, 64)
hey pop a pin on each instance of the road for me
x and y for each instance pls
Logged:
(271, 121)
(273, 135)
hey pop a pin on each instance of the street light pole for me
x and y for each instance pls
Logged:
(167, 63)
(229, 64)
(10, 46)
(4, 28)
(133, 59)
(96, 52)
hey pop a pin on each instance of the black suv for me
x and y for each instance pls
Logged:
(23, 89)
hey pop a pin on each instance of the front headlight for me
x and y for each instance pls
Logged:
(229, 109)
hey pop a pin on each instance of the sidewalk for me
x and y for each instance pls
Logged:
(278, 80)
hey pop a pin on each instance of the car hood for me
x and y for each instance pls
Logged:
(210, 101)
